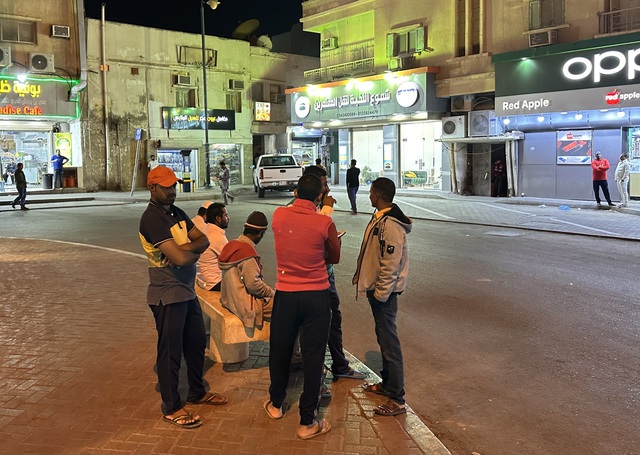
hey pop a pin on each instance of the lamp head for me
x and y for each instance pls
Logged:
(213, 4)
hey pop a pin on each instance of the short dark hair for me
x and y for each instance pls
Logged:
(309, 187)
(385, 188)
(214, 211)
(318, 161)
(315, 170)
(202, 211)
(222, 163)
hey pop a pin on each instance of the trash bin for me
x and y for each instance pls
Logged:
(47, 183)
(186, 186)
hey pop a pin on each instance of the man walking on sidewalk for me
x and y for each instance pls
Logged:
(173, 245)
(353, 183)
(600, 166)
(21, 186)
(381, 275)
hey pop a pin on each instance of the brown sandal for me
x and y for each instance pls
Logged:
(375, 388)
(211, 398)
(390, 408)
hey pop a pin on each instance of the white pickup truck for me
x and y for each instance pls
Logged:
(276, 172)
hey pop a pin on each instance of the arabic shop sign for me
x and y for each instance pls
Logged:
(35, 98)
(360, 99)
(180, 118)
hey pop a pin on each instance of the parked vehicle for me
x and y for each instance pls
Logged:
(276, 172)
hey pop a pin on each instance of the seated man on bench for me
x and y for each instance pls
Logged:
(244, 291)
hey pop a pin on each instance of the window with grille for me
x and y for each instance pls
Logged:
(406, 44)
(17, 31)
(234, 101)
(545, 13)
(186, 97)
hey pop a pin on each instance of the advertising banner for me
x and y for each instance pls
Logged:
(263, 112)
(62, 142)
(573, 147)
(192, 118)
(35, 98)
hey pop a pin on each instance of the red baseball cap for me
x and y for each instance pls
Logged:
(163, 176)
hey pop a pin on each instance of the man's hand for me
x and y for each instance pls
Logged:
(328, 200)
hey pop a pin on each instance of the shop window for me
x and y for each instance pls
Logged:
(17, 31)
(234, 101)
(186, 97)
(545, 13)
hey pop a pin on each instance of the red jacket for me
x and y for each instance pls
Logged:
(305, 242)
(600, 168)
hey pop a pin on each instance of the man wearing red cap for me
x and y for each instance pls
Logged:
(173, 245)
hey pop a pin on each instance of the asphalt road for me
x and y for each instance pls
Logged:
(514, 341)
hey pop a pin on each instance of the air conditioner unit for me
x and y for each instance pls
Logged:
(484, 123)
(327, 140)
(454, 127)
(41, 63)
(60, 31)
(463, 103)
(5, 56)
(183, 79)
(543, 38)
(401, 63)
(328, 44)
(278, 98)
(235, 84)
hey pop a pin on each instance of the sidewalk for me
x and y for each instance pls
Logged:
(76, 373)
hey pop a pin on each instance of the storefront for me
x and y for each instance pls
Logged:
(593, 105)
(388, 123)
(182, 155)
(36, 118)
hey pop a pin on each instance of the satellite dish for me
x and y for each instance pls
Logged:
(245, 30)
(265, 41)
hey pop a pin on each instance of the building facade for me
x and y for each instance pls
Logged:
(41, 82)
(469, 48)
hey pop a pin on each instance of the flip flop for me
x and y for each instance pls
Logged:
(375, 388)
(212, 398)
(351, 374)
(266, 404)
(181, 418)
(323, 427)
(390, 408)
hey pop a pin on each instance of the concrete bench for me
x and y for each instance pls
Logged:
(229, 338)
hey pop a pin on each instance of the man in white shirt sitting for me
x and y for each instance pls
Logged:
(208, 274)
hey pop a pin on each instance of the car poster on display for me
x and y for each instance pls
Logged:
(573, 147)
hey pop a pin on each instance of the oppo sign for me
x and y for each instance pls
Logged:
(604, 64)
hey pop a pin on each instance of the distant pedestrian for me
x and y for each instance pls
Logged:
(305, 242)
(10, 172)
(173, 245)
(622, 178)
(58, 168)
(153, 163)
(353, 184)
(499, 179)
(600, 166)
(224, 179)
(21, 186)
(319, 163)
(381, 275)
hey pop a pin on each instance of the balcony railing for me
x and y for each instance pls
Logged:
(620, 21)
(356, 68)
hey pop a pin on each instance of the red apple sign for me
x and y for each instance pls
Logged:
(613, 97)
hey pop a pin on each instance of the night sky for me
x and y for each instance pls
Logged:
(275, 16)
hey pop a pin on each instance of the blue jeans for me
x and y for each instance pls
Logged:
(292, 311)
(22, 197)
(180, 332)
(352, 191)
(385, 315)
(58, 177)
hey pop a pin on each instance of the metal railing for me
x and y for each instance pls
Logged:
(356, 68)
(622, 20)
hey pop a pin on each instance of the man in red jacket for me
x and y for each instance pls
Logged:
(600, 166)
(305, 242)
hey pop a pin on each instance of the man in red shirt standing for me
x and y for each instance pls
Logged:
(305, 241)
(600, 166)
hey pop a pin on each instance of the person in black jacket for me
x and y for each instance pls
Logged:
(21, 186)
(353, 183)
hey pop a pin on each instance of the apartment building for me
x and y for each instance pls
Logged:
(427, 93)
(41, 83)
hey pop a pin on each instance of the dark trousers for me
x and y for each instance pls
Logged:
(597, 184)
(57, 177)
(309, 310)
(339, 363)
(352, 191)
(22, 197)
(385, 315)
(180, 332)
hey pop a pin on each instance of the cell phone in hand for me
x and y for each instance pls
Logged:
(341, 233)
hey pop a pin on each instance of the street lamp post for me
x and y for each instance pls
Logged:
(213, 4)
